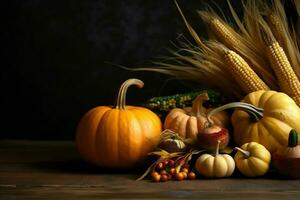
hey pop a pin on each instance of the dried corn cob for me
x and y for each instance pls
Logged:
(242, 72)
(233, 40)
(277, 28)
(224, 33)
(287, 78)
(280, 30)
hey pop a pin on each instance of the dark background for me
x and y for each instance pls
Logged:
(57, 55)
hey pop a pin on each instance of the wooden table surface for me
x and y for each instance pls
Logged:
(53, 170)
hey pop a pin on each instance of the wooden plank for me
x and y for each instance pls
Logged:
(94, 193)
(51, 170)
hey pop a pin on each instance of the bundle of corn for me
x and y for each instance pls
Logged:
(262, 53)
(161, 105)
(167, 103)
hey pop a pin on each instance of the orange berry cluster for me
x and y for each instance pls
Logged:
(166, 170)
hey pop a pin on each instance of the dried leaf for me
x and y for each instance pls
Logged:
(162, 156)
(186, 158)
(147, 172)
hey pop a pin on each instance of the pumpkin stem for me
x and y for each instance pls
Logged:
(293, 138)
(218, 147)
(255, 113)
(121, 98)
(244, 152)
(197, 107)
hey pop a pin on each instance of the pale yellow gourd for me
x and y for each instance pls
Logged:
(280, 115)
(265, 117)
(215, 166)
(252, 159)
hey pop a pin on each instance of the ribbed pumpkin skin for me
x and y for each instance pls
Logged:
(179, 121)
(281, 114)
(218, 166)
(117, 138)
(188, 126)
(190, 121)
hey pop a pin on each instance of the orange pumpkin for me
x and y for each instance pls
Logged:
(120, 136)
(190, 121)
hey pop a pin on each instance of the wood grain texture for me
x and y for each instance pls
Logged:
(54, 170)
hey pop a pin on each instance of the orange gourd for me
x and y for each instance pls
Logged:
(120, 136)
(190, 121)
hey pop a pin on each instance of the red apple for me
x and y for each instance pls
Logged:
(208, 138)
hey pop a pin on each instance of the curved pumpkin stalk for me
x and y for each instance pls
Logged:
(255, 112)
(197, 107)
(244, 152)
(121, 98)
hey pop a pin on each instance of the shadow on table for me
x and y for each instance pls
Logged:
(271, 174)
(82, 167)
